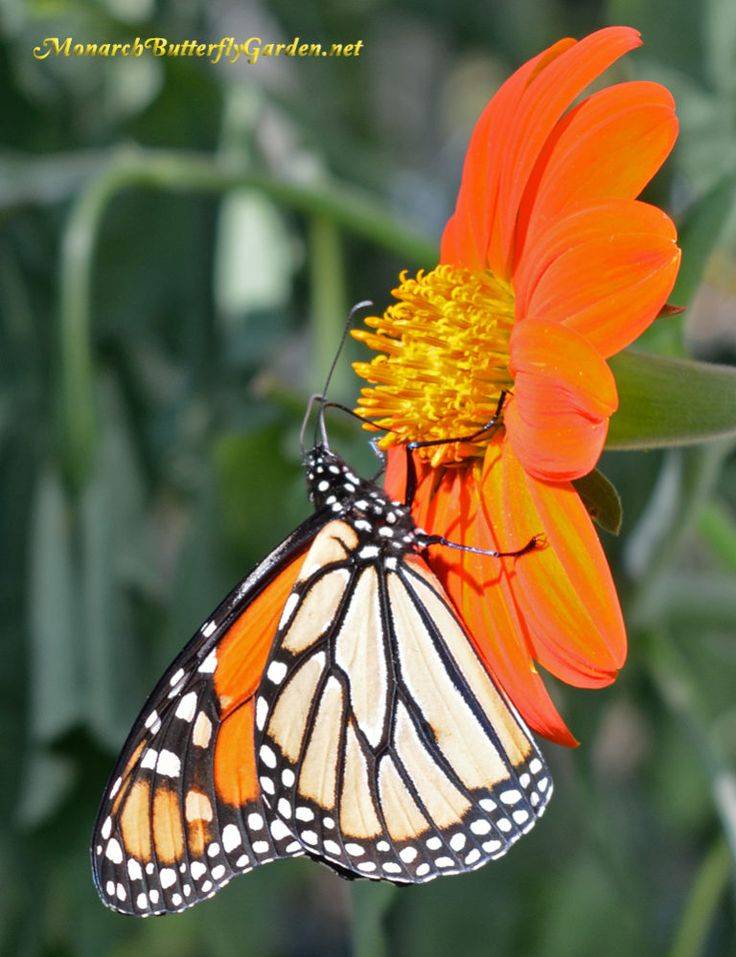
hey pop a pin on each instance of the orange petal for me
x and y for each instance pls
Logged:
(609, 146)
(535, 115)
(447, 503)
(563, 589)
(563, 396)
(605, 271)
(467, 234)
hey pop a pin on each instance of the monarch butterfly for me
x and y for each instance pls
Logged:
(332, 706)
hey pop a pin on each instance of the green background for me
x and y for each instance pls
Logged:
(179, 246)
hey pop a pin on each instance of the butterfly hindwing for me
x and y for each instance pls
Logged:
(381, 741)
(183, 812)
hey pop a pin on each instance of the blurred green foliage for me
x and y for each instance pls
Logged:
(179, 244)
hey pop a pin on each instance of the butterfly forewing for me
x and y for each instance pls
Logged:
(183, 810)
(381, 741)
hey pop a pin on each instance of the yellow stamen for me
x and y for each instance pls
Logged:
(444, 359)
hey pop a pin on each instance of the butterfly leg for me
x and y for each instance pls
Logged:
(411, 472)
(535, 542)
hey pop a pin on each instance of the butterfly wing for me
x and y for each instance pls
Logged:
(381, 741)
(182, 812)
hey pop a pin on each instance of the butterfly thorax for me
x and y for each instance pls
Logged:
(377, 519)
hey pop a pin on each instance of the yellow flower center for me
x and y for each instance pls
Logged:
(444, 359)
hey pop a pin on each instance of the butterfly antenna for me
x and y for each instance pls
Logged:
(365, 304)
(322, 396)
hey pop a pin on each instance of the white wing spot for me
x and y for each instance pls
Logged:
(120, 891)
(149, 758)
(457, 842)
(304, 814)
(153, 896)
(473, 856)
(141, 901)
(168, 764)
(218, 872)
(115, 788)
(255, 822)
(481, 826)
(444, 862)
(383, 846)
(535, 765)
(206, 886)
(176, 677)
(167, 876)
(176, 899)
(106, 830)
(261, 847)
(267, 785)
(209, 629)
(422, 870)
(134, 869)
(284, 808)
(197, 869)
(187, 706)
(152, 718)
(487, 804)
(267, 756)
(279, 830)
(520, 816)
(209, 665)
(369, 551)
(490, 847)
(277, 670)
(524, 780)
(328, 823)
(261, 713)
(511, 797)
(504, 825)
(110, 888)
(408, 854)
(213, 850)
(242, 860)
(367, 866)
(332, 846)
(231, 837)
(113, 851)
(309, 836)
(391, 867)
(354, 850)
(287, 777)
(434, 843)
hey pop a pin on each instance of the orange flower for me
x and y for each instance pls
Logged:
(548, 266)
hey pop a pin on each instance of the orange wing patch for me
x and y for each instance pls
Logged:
(243, 652)
(235, 761)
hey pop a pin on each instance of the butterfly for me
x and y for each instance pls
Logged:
(333, 706)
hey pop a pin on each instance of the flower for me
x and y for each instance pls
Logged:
(549, 265)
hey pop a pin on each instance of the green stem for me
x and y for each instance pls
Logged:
(371, 903)
(717, 527)
(176, 172)
(328, 302)
(672, 679)
(707, 891)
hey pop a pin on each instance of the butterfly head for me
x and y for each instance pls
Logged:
(330, 481)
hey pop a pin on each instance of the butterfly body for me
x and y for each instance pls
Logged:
(334, 706)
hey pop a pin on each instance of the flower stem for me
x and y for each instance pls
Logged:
(175, 172)
(328, 302)
(706, 893)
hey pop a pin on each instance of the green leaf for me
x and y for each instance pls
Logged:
(699, 234)
(56, 691)
(601, 499)
(667, 402)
